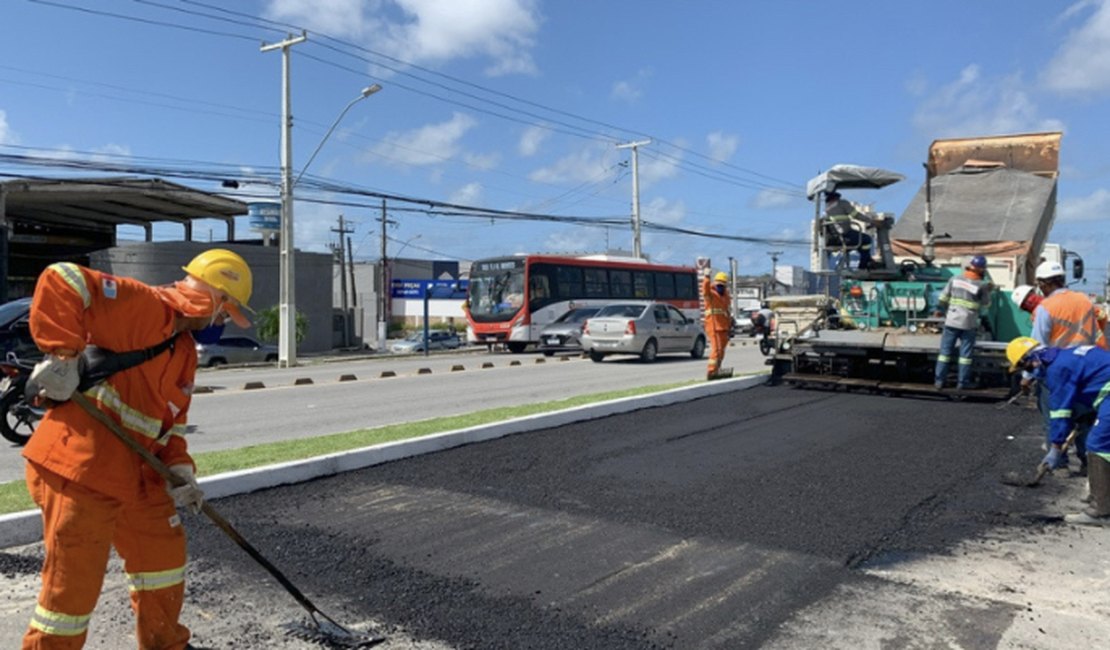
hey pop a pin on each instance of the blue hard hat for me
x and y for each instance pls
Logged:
(978, 262)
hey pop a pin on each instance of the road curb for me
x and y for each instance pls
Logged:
(20, 528)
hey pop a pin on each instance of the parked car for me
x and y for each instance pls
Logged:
(235, 349)
(437, 340)
(643, 328)
(15, 328)
(564, 333)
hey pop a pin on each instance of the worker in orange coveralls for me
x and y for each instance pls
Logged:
(718, 319)
(95, 492)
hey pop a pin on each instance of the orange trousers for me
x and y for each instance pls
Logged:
(79, 528)
(718, 341)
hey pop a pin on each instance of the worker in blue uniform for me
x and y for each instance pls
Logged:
(1074, 377)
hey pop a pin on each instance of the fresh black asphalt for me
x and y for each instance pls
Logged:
(701, 525)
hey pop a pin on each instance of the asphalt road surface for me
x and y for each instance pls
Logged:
(231, 417)
(773, 517)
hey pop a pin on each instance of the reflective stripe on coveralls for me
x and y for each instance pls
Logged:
(59, 624)
(72, 275)
(151, 580)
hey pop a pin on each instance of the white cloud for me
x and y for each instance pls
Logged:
(630, 90)
(1093, 207)
(7, 136)
(653, 170)
(769, 199)
(660, 210)
(482, 161)
(426, 31)
(585, 165)
(531, 140)
(973, 105)
(722, 145)
(427, 145)
(1082, 64)
(469, 194)
(583, 240)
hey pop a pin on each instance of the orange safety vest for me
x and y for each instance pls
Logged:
(717, 317)
(1073, 319)
(74, 306)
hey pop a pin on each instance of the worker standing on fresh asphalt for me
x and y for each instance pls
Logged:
(963, 299)
(1064, 319)
(1073, 377)
(718, 318)
(94, 492)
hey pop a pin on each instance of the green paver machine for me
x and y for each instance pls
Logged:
(876, 328)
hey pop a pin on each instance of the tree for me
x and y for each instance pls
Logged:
(267, 324)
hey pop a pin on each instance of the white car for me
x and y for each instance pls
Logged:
(643, 328)
(437, 340)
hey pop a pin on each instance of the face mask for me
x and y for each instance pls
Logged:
(209, 335)
(720, 289)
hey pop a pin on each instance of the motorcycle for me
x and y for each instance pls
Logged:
(18, 415)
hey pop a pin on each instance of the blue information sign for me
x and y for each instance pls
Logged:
(437, 289)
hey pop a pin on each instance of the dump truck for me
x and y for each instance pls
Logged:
(875, 328)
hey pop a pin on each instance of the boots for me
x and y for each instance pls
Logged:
(1098, 512)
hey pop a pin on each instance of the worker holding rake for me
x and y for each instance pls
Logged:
(1074, 377)
(95, 492)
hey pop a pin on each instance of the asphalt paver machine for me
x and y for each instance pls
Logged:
(876, 328)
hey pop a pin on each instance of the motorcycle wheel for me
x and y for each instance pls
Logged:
(17, 424)
(766, 346)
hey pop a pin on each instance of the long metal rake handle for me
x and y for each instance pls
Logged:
(218, 519)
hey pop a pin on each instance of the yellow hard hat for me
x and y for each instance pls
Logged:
(223, 270)
(720, 278)
(1018, 348)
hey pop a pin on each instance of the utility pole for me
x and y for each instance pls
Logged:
(774, 268)
(732, 268)
(342, 230)
(287, 323)
(383, 284)
(634, 146)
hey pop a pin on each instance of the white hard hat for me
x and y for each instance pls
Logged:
(1046, 270)
(1021, 293)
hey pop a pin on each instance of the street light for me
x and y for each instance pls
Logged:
(366, 92)
(287, 339)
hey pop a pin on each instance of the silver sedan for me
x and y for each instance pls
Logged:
(643, 328)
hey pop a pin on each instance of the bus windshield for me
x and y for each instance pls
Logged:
(496, 295)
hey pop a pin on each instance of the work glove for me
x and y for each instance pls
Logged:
(188, 495)
(56, 377)
(1052, 458)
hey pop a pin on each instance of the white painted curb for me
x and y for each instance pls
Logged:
(19, 528)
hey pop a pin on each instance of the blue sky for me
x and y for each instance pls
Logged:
(518, 105)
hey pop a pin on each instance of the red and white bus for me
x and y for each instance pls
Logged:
(510, 299)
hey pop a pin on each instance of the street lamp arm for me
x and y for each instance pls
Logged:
(366, 92)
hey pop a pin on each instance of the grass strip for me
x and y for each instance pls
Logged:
(14, 497)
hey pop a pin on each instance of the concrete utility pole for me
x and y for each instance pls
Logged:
(383, 285)
(774, 268)
(343, 279)
(634, 146)
(733, 267)
(287, 323)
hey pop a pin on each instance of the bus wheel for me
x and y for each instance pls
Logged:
(596, 356)
(516, 347)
